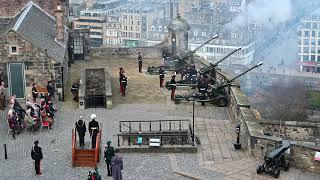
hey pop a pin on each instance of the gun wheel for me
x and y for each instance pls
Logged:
(221, 101)
(276, 173)
(259, 169)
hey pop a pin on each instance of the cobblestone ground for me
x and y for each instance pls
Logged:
(211, 124)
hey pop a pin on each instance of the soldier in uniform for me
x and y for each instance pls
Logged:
(108, 154)
(140, 62)
(121, 71)
(81, 129)
(36, 155)
(124, 82)
(34, 92)
(173, 86)
(203, 88)
(93, 129)
(161, 76)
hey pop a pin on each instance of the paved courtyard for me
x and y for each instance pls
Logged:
(215, 158)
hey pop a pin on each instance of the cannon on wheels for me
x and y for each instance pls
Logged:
(190, 76)
(179, 61)
(217, 94)
(274, 161)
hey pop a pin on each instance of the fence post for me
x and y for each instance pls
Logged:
(170, 125)
(129, 126)
(129, 140)
(5, 151)
(160, 125)
(118, 141)
(180, 125)
(150, 125)
(139, 126)
(120, 126)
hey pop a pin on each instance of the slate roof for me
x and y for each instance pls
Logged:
(38, 28)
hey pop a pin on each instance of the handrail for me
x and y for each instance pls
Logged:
(74, 139)
(97, 149)
(158, 120)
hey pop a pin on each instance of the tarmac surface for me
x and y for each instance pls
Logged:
(215, 158)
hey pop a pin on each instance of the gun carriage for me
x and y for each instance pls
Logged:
(179, 61)
(191, 77)
(217, 93)
(274, 161)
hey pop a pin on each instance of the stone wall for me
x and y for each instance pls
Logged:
(38, 66)
(302, 157)
(258, 145)
(298, 131)
(147, 52)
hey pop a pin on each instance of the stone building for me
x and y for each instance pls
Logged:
(33, 48)
(12, 7)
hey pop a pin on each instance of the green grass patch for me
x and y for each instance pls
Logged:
(314, 98)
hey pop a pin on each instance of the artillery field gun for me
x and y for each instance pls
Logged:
(190, 79)
(274, 161)
(217, 94)
(179, 61)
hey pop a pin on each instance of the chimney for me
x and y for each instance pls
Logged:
(59, 23)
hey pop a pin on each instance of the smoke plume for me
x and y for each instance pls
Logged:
(268, 13)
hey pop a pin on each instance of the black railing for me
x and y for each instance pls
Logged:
(95, 101)
(163, 129)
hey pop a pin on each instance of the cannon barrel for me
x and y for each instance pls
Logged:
(275, 154)
(222, 59)
(236, 77)
(196, 49)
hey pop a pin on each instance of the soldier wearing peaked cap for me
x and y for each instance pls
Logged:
(93, 130)
(173, 86)
(81, 129)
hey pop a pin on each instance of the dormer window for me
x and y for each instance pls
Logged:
(14, 50)
(160, 28)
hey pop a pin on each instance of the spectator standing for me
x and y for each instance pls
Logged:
(36, 155)
(93, 130)
(140, 62)
(2, 95)
(117, 166)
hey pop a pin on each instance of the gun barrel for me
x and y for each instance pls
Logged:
(255, 66)
(196, 49)
(225, 57)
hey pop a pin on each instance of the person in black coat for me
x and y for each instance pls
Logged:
(81, 129)
(34, 92)
(93, 130)
(50, 89)
(140, 62)
(36, 155)
(173, 86)
(124, 82)
(161, 76)
(108, 154)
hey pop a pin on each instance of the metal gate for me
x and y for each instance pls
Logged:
(95, 101)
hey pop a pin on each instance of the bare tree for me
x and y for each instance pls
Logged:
(285, 101)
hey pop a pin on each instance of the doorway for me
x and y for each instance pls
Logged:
(16, 80)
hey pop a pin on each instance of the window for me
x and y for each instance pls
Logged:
(14, 50)
(313, 33)
(153, 28)
(305, 58)
(203, 33)
(305, 50)
(306, 42)
(313, 41)
(306, 33)
(313, 57)
(195, 33)
(160, 28)
(313, 50)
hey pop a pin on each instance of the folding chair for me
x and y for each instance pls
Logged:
(45, 124)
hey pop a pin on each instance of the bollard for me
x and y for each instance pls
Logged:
(5, 151)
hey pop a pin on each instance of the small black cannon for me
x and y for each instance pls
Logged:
(274, 161)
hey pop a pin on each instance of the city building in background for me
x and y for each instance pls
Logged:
(309, 43)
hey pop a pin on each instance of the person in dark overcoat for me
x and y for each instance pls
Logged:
(117, 166)
(93, 130)
(36, 155)
(81, 129)
(108, 154)
(161, 76)
(140, 62)
(173, 86)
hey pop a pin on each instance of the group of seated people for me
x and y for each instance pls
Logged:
(35, 114)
